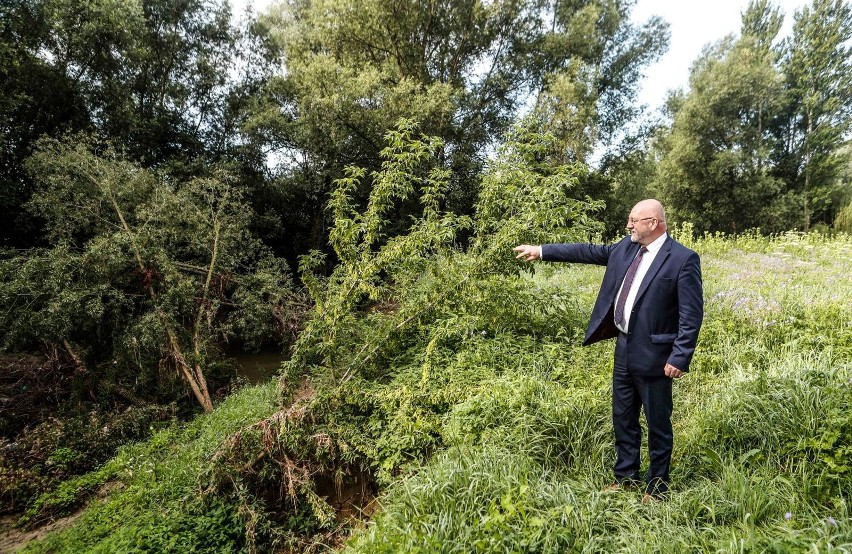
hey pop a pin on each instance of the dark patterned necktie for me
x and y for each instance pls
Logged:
(625, 289)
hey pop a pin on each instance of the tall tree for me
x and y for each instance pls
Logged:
(149, 76)
(843, 218)
(818, 71)
(716, 169)
(152, 73)
(589, 66)
(36, 97)
(463, 69)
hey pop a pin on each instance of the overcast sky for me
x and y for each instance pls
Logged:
(693, 24)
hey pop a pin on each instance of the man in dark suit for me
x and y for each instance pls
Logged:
(651, 302)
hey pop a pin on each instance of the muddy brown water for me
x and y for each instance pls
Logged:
(257, 367)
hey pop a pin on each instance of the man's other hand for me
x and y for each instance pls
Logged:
(672, 371)
(528, 252)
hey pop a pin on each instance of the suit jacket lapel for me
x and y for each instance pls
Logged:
(659, 259)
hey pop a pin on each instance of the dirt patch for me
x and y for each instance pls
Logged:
(13, 538)
(303, 394)
(354, 499)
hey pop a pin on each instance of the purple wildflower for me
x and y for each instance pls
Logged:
(831, 521)
(788, 515)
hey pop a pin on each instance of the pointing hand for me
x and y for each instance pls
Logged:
(527, 252)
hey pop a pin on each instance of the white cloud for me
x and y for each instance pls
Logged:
(693, 25)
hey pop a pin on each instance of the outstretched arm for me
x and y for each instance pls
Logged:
(577, 252)
(582, 253)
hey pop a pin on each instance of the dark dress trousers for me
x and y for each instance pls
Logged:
(664, 323)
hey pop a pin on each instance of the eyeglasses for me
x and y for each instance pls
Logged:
(631, 221)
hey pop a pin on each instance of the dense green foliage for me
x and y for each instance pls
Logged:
(145, 272)
(148, 280)
(150, 76)
(65, 446)
(718, 153)
(164, 165)
(762, 422)
(818, 85)
(454, 385)
(464, 70)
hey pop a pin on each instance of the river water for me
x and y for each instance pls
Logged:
(257, 367)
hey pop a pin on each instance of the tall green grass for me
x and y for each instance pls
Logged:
(763, 430)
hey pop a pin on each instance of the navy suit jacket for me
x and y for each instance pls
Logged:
(669, 306)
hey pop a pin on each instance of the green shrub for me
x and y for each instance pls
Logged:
(61, 448)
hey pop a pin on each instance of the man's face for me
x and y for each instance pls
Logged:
(641, 225)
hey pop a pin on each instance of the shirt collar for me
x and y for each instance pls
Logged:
(655, 246)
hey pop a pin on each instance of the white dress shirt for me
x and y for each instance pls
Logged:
(644, 264)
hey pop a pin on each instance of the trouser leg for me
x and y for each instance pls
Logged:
(656, 394)
(626, 404)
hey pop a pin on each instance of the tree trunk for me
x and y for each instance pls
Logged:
(194, 376)
(805, 207)
(78, 361)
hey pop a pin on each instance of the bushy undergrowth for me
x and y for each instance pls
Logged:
(761, 424)
(453, 386)
(62, 447)
(762, 431)
(157, 503)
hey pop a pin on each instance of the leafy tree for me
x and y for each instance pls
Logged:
(843, 219)
(761, 21)
(716, 169)
(588, 69)
(629, 179)
(36, 98)
(150, 76)
(762, 126)
(146, 272)
(818, 116)
(463, 70)
(384, 321)
(153, 73)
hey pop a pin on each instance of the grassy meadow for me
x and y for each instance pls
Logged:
(487, 429)
(763, 431)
